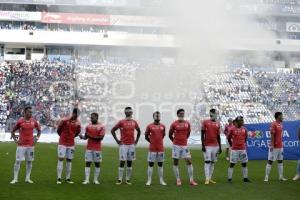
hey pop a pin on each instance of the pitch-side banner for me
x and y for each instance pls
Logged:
(259, 138)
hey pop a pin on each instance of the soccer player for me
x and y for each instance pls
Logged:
(126, 144)
(298, 165)
(211, 144)
(237, 139)
(276, 147)
(154, 134)
(179, 133)
(94, 133)
(226, 132)
(25, 143)
(68, 129)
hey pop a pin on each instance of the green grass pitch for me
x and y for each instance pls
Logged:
(44, 176)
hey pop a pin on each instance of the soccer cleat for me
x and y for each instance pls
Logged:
(128, 182)
(162, 182)
(13, 181)
(282, 179)
(206, 182)
(178, 182)
(119, 182)
(266, 179)
(96, 182)
(148, 182)
(59, 181)
(246, 180)
(296, 178)
(85, 182)
(28, 181)
(69, 181)
(229, 180)
(212, 181)
(193, 183)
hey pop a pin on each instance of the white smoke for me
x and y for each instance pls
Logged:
(207, 30)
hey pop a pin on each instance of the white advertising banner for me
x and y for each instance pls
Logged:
(292, 27)
(14, 57)
(37, 56)
(123, 20)
(20, 16)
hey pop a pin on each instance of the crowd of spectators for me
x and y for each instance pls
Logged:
(48, 86)
(255, 95)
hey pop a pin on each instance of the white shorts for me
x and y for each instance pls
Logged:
(276, 154)
(65, 152)
(25, 153)
(211, 154)
(93, 156)
(127, 152)
(156, 156)
(180, 152)
(238, 156)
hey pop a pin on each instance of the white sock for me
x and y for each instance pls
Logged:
(245, 172)
(128, 173)
(190, 172)
(176, 172)
(150, 172)
(28, 170)
(16, 169)
(268, 169)
(87, 171)
(230, 173)
(60, 166)
(206, 170)
(68, 170)
(121, 171)
(280, 170)
(211, 169)
(96, 173)
(161, 173)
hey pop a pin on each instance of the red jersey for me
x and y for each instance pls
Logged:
(181, 131)
(227, 129)
(276, 132)
(69, 130)
(127, 128)
(212, 131)
(156, 133)
(238, 137)
(94, 130)
(26, 128)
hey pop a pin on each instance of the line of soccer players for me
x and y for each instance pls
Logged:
(179, 132)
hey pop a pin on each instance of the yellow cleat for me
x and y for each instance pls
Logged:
(206, 182)
(213, 182)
